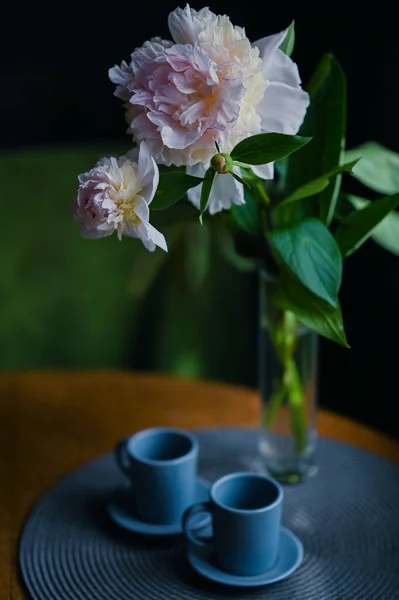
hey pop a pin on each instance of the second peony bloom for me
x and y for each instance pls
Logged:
(115, 196)
(209, 85)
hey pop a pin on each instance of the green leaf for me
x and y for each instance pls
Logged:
(267, 147)
(247, 215)
(360, 225)
(325, 122)
(240, 180)
(311, 253)
(206, 190)
(312, 311)
(386, 234)
(288, 43)
(320, 75)
(172, 187)
(378, 169)
(318, 185)
(308, 189)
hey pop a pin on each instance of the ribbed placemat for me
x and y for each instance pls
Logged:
(347, 518)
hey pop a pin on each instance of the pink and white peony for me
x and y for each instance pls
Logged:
(210, 85)
(115, 195)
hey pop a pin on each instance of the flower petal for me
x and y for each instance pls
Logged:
(148, 172)
(135, 231)
(145, 164)
(143, 57)
(197, 170)
(268, 46)
(157, 237)
(178, 137)
(121, 76)
(148, 244)
(281, 68)
(142, 127)
(108, 204)
(282, 108)
(264, 171)
(133, 155)
(141, 209)
(184, 25)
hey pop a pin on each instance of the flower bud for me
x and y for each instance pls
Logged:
(222, 163)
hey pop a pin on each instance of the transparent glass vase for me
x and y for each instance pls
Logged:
(287, 385)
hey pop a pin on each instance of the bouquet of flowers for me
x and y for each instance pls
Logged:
(225, 124)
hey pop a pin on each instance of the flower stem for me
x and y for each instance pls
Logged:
(274, 403)
(242, 165)
(288, 386)
(296, 406)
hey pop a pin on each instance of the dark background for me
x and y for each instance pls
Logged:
(55, 94)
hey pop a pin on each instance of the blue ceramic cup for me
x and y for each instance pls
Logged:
(246, 518)
(161, 464)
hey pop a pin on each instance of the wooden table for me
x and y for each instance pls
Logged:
(52, 422)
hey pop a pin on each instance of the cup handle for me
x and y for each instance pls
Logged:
(191, 533)
(122, 456)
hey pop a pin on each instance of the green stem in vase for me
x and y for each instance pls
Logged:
(296, 406)
(284, 338)
(274, 403)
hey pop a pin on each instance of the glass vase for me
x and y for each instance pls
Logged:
(287, 386)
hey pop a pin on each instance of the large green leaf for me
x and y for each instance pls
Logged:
(325, 122)
(378, 168)
(206, 190)
(359, 225)
(386, 234)
(172, 187)
(311, 253)
(267, 147)
(288, 43)
(312, 311)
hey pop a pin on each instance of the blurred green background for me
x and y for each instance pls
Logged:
(75, 303)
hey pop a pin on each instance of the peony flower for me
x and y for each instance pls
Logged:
(115, 195)
(210, 85)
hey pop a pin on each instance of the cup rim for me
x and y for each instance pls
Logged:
(136, 437)
(247, 474)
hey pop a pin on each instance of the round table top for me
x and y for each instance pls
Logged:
(54, 421)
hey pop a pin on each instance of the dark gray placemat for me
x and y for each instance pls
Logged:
(347, 518)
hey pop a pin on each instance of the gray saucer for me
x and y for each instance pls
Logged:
(289, 559)
(120, 509)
